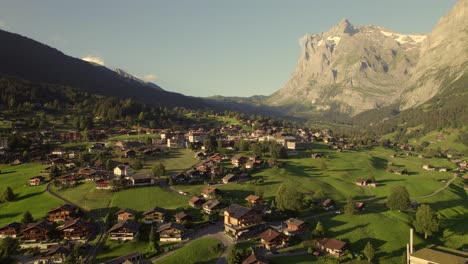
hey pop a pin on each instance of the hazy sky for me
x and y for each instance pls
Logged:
(200, 47)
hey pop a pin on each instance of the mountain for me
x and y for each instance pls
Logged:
(30, 60)
(351, 69)
(127, 75)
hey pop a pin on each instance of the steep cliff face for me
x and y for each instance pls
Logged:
(443, 57)
(352, 69)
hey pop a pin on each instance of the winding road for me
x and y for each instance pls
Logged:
(438, 190)
(102, 227)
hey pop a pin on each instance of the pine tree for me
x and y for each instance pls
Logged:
(349, 208)
(319, 231)
(8, 195)
(426, 221)
(27, 218)
(398, 199)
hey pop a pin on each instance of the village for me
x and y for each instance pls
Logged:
(220, 160)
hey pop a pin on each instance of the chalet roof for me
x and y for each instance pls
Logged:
(155, 209)
(252, 198)
(14, 225)
(211, 204)
(65, 207)
(294, 222)
(63, 249)
(436, 254)
(362, 180)
(229, 176)
(170, 225)
(195, 199)
(255, 258)
(359, 205)
(237, 211)
(44, 225)
(270, 234)
(238, 157)
(332, 243)
(126, 210)
(37, 177)
(181, 215)
(128, 224)
(141, 176)
(77, 221)
(209, 190)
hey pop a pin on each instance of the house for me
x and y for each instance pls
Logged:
(332, 246)
(217, 157)
(123, 170)
(436, 254)
(255, 258)
(272, 239)
(58, 253)
(210, 192)
(238, 160)
(294, 226)
(196, 202)
(316, 155)
(67, 180)
(37, 180)
(210, 206)
(154, 215)
(238, 219)
(10, 230)
(124, 230)
(76, 229)
(126, 214)
(103, 184)
(326, 203)
(182, 216)
(298, 145)
(254, 199)
(141, 179)
(63, 213)
(135, 257)
(426, 167)
(229, 178)
(171, 232)
(359, 206)
(243, 177)
(38, 232)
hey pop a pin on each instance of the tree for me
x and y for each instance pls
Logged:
(8, 195)
(259, 191)
(349, 208)
(153, 245)
(8, 247)
(398, 199)
(27, 218)
(426, 221)
(369, 252)
(233, 256)
(288, 198)
(137, 165)
(256, 149)
(158, 170)
(319, 231)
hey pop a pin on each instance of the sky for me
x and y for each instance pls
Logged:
(201, 47)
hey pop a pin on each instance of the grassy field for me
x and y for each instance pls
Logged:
(203, 250)
(119, 248)
(139, 137)
(28, 198)
(446, 139)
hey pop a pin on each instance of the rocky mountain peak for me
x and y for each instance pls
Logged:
(343, 27)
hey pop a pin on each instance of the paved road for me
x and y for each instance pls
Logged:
(102, 227)
(438, 190)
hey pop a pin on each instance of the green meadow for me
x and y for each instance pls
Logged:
(203, 250)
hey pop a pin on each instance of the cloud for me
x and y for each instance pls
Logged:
(94, 59)
(150, 77)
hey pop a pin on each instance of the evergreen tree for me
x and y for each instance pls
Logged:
(233, 256)
(426, 221)
(27, 218)
(398, 199)
(369, 252)
(8, 247)
(319, 231)
(288, 198)
(349, 208)
(158, 170)
(8, 195)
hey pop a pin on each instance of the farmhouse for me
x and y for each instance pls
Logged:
(63, 213)
(75, 229)
(134, 257)
(126, 214)
(123, 170)
(254, 199)
(229, 178)
(171, 232)
(366, 183)
(124, 230)
(272, 239)
(142, 179)
(294, 226)
(37, 180)
(196, 201)
(10, 230)
(239, 218)
(182, 216)
(359, 206)
(103, 184)
(58, 253)
(38, 232)
(155, 215)
(210, 192)
(238, 160)
(255, 258)
(210, 206)
(332, 246)
(437, 254)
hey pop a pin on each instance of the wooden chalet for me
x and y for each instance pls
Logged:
(37, 180)
(255, 258)
(58, 253)
(126, 214)
(135, 257)
(211, 192)
(182, 216)
(238, 160)
(142, 179)
(211, 206)
(254, 199)
(360, 206)
(229, 178)
(171, 232)
(63, 213)
(38, 232)
(10, 230)
(68, 180)
(196, 202)
(238, 219)
(124, 230)
(272, 239)
(332, 246)
(103, 184)
(294, 226)
(155, 215)
(76, 229)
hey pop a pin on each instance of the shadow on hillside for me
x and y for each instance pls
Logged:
(269, 183)
(29, 195)
(9, 215)
(347, 230)
(379, 163)
(7, 172)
